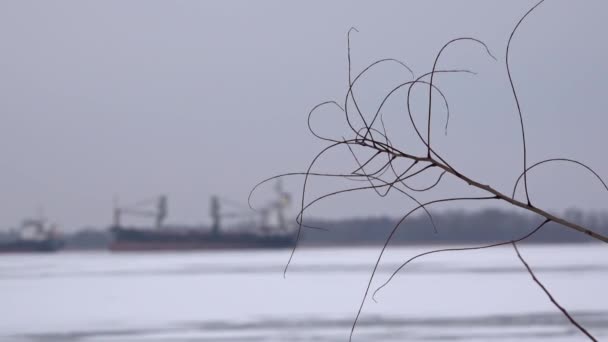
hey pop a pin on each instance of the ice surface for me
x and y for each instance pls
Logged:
(242, 296)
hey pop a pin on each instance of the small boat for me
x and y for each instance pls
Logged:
(32, 236)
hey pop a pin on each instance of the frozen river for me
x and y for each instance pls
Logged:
(242, 296)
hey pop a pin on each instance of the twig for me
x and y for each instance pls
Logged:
(519, 111)
(461, 249)
(561, 308)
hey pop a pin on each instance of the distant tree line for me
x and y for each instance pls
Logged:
(456, 226)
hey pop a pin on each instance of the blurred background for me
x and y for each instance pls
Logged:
(132, 133)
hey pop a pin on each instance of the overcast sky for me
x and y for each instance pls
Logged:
(193, 98)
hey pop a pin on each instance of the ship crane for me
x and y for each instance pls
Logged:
(158, 211)
(239, 211)
(276, 206)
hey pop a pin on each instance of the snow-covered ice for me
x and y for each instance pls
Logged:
(242, 296)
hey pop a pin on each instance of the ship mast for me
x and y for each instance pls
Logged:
(215, 215)
(280, 204)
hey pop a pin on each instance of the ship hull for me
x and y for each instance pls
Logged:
(44, 246)
(130, 239)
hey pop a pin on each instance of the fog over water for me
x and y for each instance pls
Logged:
(132, 99)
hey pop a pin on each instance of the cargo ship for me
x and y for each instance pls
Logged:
(256, 233)
(137, 239)
(32, 236)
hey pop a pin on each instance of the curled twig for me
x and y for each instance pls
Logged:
(558, 160)
(519, 111)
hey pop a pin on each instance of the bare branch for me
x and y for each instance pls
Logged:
(561, 308)
(377, 145)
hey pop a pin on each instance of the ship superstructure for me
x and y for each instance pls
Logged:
(33, 235)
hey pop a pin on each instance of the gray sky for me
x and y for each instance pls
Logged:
(194, 98)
